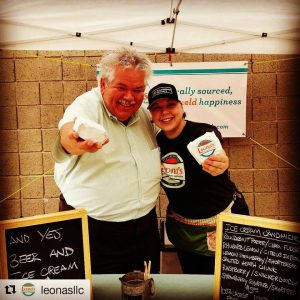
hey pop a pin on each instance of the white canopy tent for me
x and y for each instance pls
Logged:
(202, 26)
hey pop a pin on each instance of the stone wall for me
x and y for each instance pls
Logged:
(36, 87)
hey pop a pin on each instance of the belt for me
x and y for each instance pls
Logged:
(212, 221)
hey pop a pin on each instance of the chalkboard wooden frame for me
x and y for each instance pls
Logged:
(44, 219)
(243, 220)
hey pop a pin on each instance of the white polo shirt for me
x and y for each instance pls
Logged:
(119, 182)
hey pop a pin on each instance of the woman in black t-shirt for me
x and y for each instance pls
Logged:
(196, 193)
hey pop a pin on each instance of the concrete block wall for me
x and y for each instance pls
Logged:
(37, 86)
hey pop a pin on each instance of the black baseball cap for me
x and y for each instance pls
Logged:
(162, 90)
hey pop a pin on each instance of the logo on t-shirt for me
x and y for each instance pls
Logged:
(172, 169)
(206, 148)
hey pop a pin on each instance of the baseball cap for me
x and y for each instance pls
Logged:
(162, 90)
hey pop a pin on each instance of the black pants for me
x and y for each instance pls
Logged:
(193, 263)
(122, 247)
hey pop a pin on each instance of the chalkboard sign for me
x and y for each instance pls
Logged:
(51, 246)
(256, 258)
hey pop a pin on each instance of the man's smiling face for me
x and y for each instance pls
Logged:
(124, 95)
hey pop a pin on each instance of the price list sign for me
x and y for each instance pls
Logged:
(257, 258)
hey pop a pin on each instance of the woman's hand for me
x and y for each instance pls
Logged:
(216, 164)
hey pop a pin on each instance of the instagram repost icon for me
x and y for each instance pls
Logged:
(28, 289)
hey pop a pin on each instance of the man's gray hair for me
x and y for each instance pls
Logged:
(125, 58)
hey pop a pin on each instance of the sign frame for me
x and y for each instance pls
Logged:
(248, 221)
(44, 219)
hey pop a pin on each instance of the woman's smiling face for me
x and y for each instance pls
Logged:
(168, 115)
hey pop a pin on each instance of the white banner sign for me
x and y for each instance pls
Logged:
(211, 92)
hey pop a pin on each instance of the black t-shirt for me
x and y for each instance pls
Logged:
(192, 192)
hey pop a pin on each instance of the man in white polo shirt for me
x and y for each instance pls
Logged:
(117, 183)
